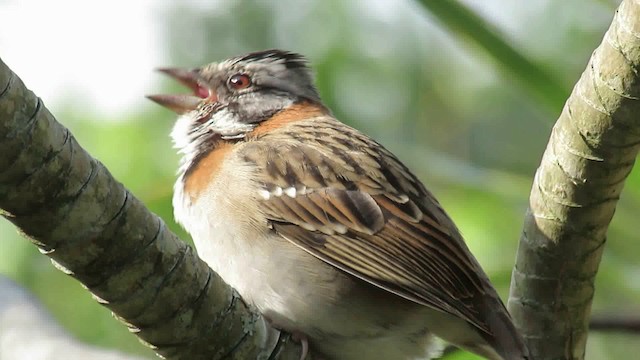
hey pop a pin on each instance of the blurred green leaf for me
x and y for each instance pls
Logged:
(536, 79)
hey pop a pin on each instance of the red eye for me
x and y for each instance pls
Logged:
(239, 81)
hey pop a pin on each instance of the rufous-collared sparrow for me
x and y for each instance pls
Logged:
(320, 227)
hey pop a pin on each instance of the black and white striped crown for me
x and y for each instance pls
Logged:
(274, 56)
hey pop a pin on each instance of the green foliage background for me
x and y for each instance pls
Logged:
(465, 93)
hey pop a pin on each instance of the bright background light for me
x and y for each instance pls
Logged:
(101, 52)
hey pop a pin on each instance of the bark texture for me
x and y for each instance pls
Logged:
(591, 151)
(93, 229)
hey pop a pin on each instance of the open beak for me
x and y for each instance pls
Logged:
(183, 103)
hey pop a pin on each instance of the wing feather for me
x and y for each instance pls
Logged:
(356, 207)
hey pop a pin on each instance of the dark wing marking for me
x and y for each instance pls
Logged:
(355, 206)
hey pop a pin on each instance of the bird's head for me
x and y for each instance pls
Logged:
(231, 97)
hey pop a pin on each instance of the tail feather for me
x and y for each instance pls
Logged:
(504, 338)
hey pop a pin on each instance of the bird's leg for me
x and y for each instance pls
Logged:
(296, 336)
(304, 342)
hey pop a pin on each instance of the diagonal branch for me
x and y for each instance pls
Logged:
(92, 228)
(591, 151)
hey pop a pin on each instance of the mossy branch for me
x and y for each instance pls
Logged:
(592, 149)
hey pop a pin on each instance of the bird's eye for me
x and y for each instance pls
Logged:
(239, 81)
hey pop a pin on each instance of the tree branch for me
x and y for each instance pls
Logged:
(615, 323)
(93, 229)
(591, 151)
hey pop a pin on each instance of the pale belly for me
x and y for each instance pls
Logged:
(343, 317)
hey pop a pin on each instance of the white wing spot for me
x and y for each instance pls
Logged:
(291, 191)
(277, 191)
(264, 194)
(340, 229)
(308, 227)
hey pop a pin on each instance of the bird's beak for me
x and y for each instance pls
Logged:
(182, 103)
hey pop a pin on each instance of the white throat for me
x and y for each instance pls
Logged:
(191, 138)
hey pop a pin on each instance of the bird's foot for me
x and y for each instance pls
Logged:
(304, 342)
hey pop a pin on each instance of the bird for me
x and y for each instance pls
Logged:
(321, 228)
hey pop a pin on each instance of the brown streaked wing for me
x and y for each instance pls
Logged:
(359, 209)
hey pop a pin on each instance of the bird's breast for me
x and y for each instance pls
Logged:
(292, 288)
(233, 236)
(215, 202)
(204, 170)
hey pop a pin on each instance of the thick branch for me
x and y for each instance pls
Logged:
(590, 153)
(72, 209)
